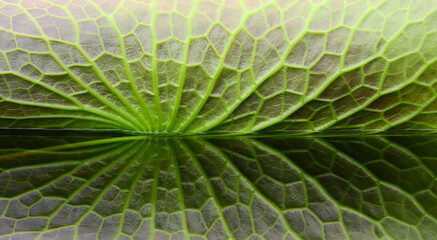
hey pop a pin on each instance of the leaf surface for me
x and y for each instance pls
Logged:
(220, 66)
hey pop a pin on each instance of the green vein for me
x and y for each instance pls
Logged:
(130, 153)
(184, 69)
(209, 186)
(123, 151)
(100, 98)
(247, 181)
(135, 181)
(146, 115)
(159, 119)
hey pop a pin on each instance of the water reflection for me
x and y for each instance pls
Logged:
(272, 188)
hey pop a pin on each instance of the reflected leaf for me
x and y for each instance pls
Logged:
(232, 67)
(263, 188)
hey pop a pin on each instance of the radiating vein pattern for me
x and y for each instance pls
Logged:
(268, 188)
(177, 66)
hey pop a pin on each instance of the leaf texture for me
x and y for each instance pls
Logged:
(268, 188)
(220, 66)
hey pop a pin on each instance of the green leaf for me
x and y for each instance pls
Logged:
(267, 188)
(221, 66)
